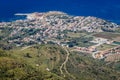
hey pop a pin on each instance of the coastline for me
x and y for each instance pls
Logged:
(22, 16)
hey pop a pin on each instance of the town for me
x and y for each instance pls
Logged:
(53, 28)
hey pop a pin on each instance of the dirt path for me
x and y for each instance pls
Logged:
(64, 64)
(25, 48)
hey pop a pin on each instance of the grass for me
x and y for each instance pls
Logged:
(33, 62)
(75, 35)
(33, 66)
(105, 47)
(88, 68)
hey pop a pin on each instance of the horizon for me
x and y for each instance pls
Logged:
(108, 9)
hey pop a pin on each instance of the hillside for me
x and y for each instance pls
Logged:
(56, 46)
(43, 62)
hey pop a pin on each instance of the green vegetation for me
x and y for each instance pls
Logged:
(75, 34)
(105, 47)
(42, 62)
(90, 69)
(5, 31)
(83, 41)
(25, 65)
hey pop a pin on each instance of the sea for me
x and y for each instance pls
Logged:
(105, 9)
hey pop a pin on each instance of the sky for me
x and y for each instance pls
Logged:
(106, 9)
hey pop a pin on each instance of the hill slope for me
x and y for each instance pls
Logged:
(43, 62)
(58, 46)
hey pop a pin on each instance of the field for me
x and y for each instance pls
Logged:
(105, 47)
(108, 35)
(75, 35)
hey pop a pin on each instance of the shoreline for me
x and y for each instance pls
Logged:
(22, 16)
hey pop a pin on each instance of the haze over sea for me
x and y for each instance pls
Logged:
(105, 9)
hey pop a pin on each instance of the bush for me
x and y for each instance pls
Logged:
(3, 53)
(28, 55)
